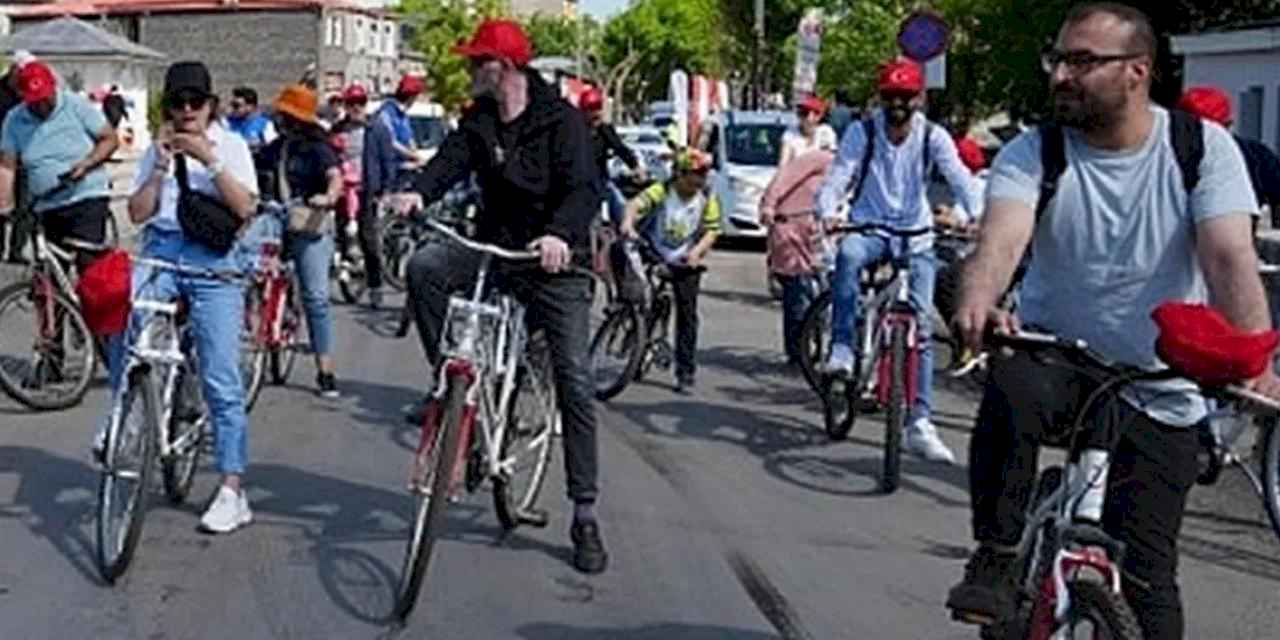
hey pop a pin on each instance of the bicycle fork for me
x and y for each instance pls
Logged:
(901, 320)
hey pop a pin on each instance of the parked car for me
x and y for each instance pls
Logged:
(745, 146)
(648, 145)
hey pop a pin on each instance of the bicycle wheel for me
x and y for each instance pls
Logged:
(122, 487)
(839, 406)
(815, 339)
(1271, 472)
(1097, 612)
(429, 507)
(186, 436)
(49, 369)
(896, 414)
(526, 447)
(616, 350)
(397, 243)
(284, 355)
(253, 353)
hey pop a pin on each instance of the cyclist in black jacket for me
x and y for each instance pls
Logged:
(605, 142)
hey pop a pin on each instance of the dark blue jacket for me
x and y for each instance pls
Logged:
(380, 165)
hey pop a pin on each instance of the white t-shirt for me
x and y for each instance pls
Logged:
(236, 160)
(1117, 240)
(794, 144)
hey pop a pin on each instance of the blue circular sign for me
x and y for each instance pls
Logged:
(924, 36)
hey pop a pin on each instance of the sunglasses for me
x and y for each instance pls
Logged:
(184, 100)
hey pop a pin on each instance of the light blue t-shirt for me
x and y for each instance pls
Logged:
(1117, 240)
(49, 148)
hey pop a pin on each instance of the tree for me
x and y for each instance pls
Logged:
(561, 36)
(434, 27)
(664, 35)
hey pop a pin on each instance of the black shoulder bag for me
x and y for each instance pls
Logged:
(204, 218)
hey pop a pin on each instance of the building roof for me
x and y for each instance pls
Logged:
(74, 37)
(126, 7)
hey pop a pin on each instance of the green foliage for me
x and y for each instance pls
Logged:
(435, 27)
(665, 35)
(561, 36)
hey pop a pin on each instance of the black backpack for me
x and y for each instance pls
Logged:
(869, 149)
(1186, 134)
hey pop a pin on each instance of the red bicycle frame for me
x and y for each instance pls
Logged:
(1054, 600)
(906, 320)
(453, 369)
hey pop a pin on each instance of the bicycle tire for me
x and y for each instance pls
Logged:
(253, 354)
(628, 319)
(354, 286)
(1094, 601)
(113, 561)
(536, 376)
(815, 339)
(179, 471)
(896, 413)
(285, 356)
(1271, 473)
(839, 406)
(70, 311)
(396, 244)
(429, 509)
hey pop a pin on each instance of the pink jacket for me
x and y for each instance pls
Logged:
(794, 243)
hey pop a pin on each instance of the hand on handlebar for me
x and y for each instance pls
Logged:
(555, 252)
(971, 322)
(627, 229)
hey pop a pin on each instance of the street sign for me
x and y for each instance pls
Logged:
(924, 36)
(808, 50)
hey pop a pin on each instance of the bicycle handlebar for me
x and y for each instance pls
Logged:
(884, 228)
(198, 272)
(480, 247)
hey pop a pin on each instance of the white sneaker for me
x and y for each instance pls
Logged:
(922, 439)
(228, 512)
(841, 360)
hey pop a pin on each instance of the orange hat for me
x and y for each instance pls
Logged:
(299, 103)
(504, 39)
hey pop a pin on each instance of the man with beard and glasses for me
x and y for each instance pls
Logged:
(887, 160)
(1125, 230)
(532, 153)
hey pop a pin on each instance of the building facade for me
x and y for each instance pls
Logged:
(1242, 63)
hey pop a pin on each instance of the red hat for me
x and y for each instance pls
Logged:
(901, 76)
(591, 100)
(1202, 344)
(971, 154)
(1209, 103)
(814, 104)
(354, 94)
(411, 86)
(36, 82)
(499, 39)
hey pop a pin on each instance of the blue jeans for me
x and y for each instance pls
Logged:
(797, 295)
(861, 252)
(313, 259)
(615, 201)
(216, 311)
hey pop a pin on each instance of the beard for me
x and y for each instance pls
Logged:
(1088, 111)
(898, 116)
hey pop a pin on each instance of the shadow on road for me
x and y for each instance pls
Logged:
(750, 298)
(384, 406)
(56, 500)
(661, 631)
(860, 477)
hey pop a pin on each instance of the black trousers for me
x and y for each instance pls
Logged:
(560, 305)
(370, 241)
(1152, 470)
(685, 285)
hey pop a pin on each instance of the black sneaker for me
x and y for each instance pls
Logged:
(684, 386)
(987, 592)
(328, 385)
(589, 555)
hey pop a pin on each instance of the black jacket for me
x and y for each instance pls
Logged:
(604, 139)
(545, 183)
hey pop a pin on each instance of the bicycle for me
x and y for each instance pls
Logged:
(635, 331)
(57, 377)
(887, 354)
(159, 414)
(815, 331)
(489, 364)
(273, 315)
(1070, 567)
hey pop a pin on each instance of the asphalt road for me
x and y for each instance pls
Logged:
(728, 516)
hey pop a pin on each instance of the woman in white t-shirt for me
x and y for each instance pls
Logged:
(811, 133)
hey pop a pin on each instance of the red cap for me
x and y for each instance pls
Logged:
(1209, 103)
(355, 93)
(813, 104)
(591, 100)
(499, 39)
(971, 154)
(901, 76)
(411, 86)
(36, 82)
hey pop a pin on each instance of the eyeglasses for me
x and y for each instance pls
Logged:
(1079, 61)
(182, 101)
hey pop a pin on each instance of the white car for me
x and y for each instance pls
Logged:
(648, 145)
(745, 146)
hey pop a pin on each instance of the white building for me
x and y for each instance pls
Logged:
(1243, 63)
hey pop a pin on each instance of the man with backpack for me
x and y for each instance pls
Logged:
(1123, 206)
(887, 158)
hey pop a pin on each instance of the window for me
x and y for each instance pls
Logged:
(360, 35)
(335, 31)
(1249, 124)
